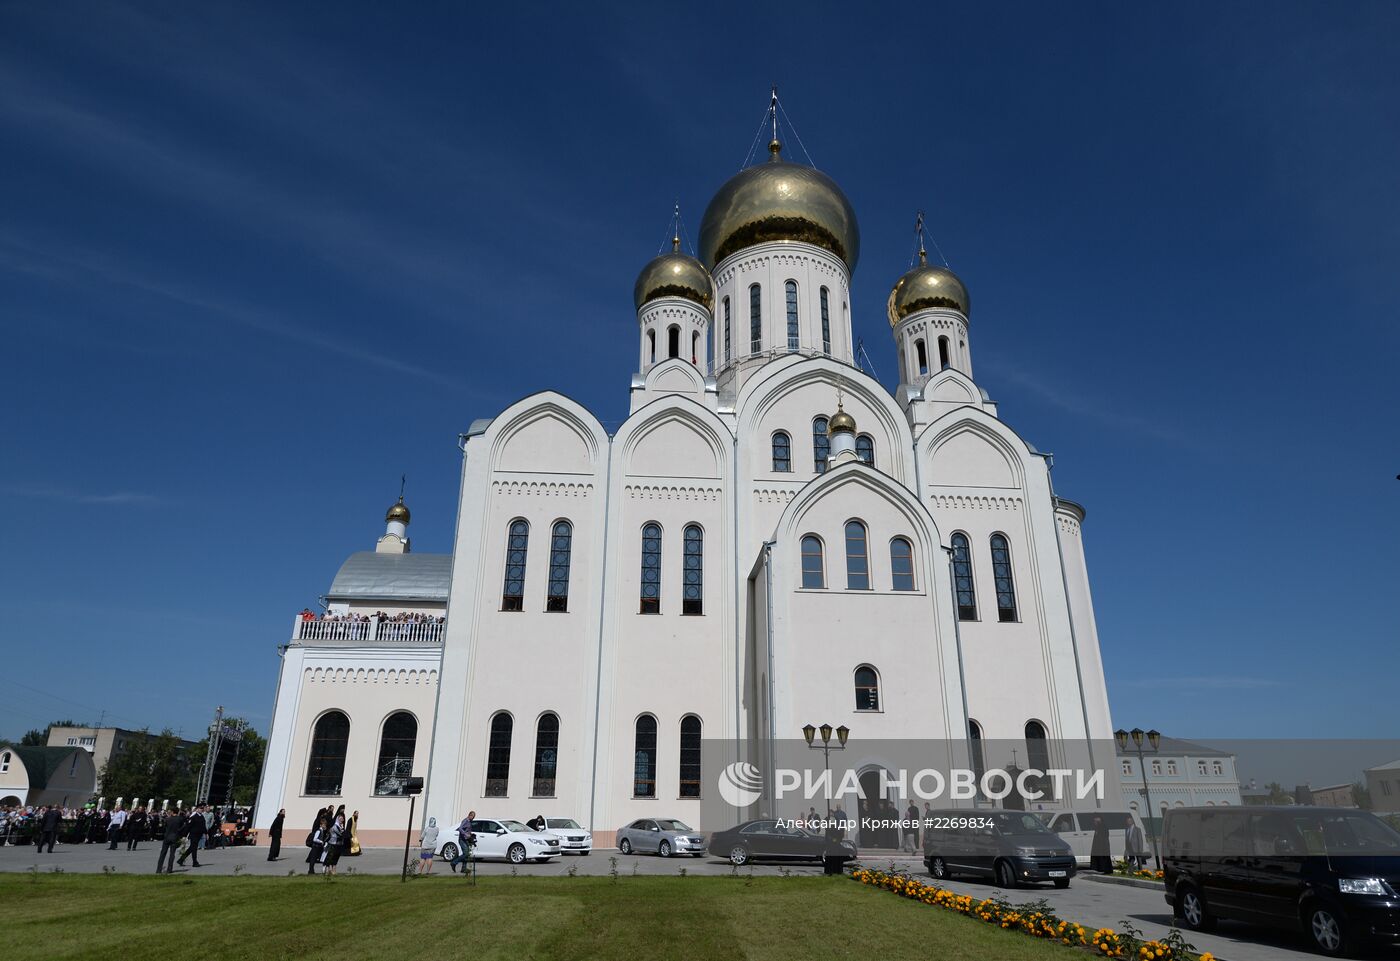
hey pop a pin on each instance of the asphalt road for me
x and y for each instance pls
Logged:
(1091, 903)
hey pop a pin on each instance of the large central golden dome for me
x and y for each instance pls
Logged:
(779, 201)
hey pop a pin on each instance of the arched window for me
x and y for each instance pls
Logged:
(979, 759)
(517, 546)
(651, 569)
(782, 452)
(867, 689)
(396, 746)
(962, 578)
(727, 353)
(857, 558)
(943, 353)
(673, 341)
(546, 755)
(826, 323)
(902, 564)
(813, 572)
(561, 546)
(690, 756)
(695, 348)
(498, 755)
(755, 319)
(326, 766)
(644, 758)
(821, 445)
(923, 356)
(693, 571)
(791, 288)
(5, 762)
(1037, 747)
(1005, 583)
(865, 449)
(651, 345)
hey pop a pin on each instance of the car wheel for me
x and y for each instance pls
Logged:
(698, 854)
(938, 868)
(1061, 883)
(449, 851)
(739, 855)
(1192, 910)
(516, 853)
(625, 846)
(1327, 931)
(1006, 875)
(665, 849)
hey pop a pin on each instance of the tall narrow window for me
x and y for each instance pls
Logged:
(695, 348)
(561, 545)
(1005, 583)
(396, 746)
(979, 760)
(546, 755)
(865, 449)
(791, 288)
(782, 452)
(755, 319)
(943, 353)
(727, 353)
(690, 756)
(644, 758)
(902, 564)
(498, 755)
(651, 569)
(826, 323)
(813, 570)
(962, 578)
(673, 341)
(651, 345)
(1037, 747)
(326, 766)
(517, 545)
(693, 587)
(867, 689)
(923, 356)
(821, 445)
(857, 557)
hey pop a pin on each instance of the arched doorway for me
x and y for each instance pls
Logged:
(875, 805)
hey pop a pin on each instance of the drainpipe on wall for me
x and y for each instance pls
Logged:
(772, 713)
(602, 615)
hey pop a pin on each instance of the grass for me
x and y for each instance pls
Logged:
(61, 917)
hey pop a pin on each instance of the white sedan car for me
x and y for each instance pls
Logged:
(572, 838)
(503, 840)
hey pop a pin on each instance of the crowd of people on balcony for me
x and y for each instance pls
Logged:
(360, 626)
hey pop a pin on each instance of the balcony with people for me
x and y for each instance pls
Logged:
(379, 627)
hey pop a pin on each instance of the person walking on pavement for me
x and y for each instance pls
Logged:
(1134, 847)
(274, 835)
(170, 841)
(1100, 856)
(316, 841)
(911, 830)
(114, 828)
(136, 827)
(427, 844)
(48, 828)
(466, 837)
(195, 829)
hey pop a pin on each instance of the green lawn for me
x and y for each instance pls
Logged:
(58, 917)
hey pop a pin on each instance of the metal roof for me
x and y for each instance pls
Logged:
(371, 576)
(1173, 747)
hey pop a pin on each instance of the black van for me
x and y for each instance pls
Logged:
(1008, 846)
(1332, 873)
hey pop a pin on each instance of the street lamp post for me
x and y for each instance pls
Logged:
(842, 732)
(1154, 738)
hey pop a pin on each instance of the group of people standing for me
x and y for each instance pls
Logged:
(333, 836)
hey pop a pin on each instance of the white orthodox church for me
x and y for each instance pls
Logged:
(770, 539)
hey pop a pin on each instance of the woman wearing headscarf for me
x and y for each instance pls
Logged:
(316, 841)
(334, 842)
(427, 844)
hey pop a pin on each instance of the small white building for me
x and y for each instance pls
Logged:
(46, 775)
(1383, 784)
(1179, 774)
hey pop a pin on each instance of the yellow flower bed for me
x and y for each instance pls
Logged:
(1036, 922)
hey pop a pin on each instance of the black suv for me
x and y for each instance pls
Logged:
(1332, 873)
(1008, 846)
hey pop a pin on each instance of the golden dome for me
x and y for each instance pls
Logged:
(675, 275)
(928, 286)
(841, 422)
(397, 513)
(778, 200)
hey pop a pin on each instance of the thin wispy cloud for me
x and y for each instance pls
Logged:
(68, 496)
(1211, 682)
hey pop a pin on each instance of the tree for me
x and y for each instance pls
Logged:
(149, 767)
(1277, 795)
(38, 738)
(1361, 796)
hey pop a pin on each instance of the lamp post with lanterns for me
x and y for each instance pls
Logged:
(1154, 738)
(826, 747)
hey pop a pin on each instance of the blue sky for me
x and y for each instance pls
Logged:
(256, 261)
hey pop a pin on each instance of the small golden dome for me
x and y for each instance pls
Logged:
(928, 286)
(674, 275)
(778, 201)
(397, 513)
(841, 422)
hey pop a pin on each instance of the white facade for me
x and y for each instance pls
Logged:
(754, 654)
(1178, 774)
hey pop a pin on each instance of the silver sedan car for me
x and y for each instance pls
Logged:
(663, 836)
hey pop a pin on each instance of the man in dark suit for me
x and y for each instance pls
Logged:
(274, 835)
(48, 828)
(170, 841)
(195, 829)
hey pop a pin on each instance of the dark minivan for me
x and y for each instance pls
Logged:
(1332, 873)
(1008, 846)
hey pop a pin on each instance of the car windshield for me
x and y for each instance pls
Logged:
(673, 825)
(566, 823)
(1019, 824)
(515, 826)
(1349, 833)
